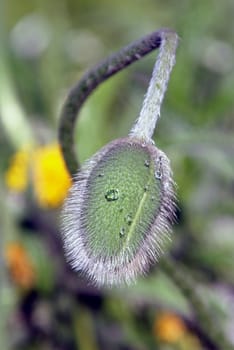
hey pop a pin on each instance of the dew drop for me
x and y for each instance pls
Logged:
(100, 175)
(122, 232)
(146, 188)
(158, 174)
(128, 219)
(147, 163)
(112, 195)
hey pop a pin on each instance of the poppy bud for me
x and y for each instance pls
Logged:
(119, 211)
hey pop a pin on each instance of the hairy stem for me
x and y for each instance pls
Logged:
(150, 111)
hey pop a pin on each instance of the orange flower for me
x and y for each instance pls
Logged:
(169, 328)
(20, 265)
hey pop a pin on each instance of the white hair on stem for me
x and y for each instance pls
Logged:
(150, 112)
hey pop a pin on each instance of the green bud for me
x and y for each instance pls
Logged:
(119, 211)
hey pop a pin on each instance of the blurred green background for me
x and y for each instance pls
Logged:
(46, 46)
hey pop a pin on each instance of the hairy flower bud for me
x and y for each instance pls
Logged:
(119, 211)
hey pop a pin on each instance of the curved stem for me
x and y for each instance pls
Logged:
(91, 80)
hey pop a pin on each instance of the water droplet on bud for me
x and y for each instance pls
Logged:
(158, 174)
(128, 219)
(122, 232)
(112, 195)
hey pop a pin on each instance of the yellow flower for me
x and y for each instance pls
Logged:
(169, 328)
(51, 180)
(19, 265)
(16, 176)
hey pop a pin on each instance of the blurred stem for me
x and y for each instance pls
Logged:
(188, 288)
(3, 307)
(7, 293)
(52, 66)
(12, 115)
(83, 326)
